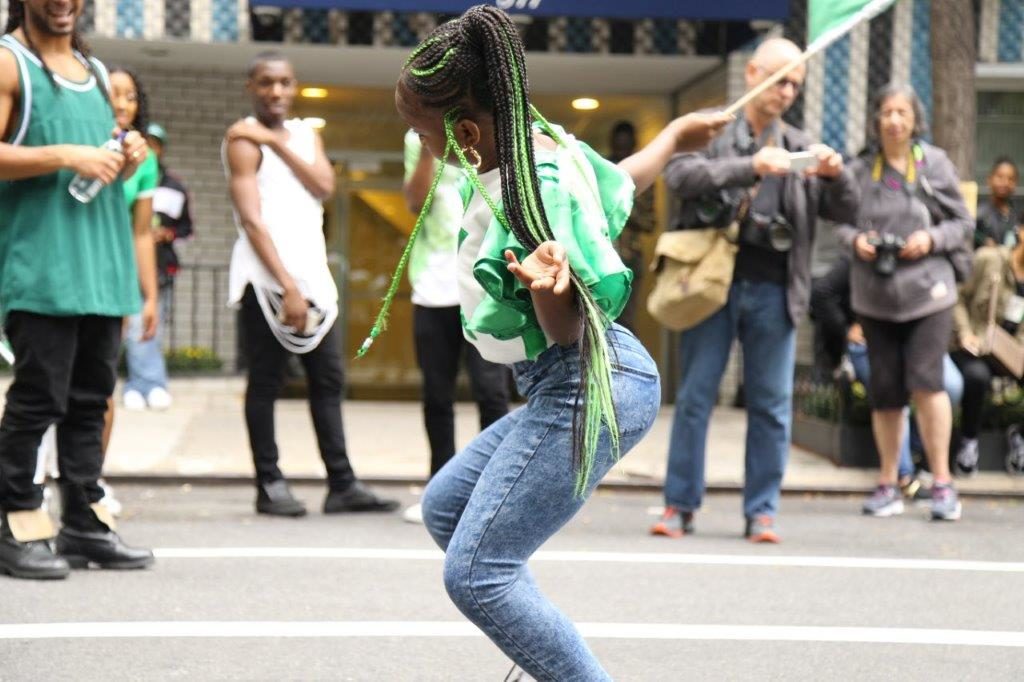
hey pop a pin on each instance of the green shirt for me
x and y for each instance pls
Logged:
(432, 259)
(587, 200)
(57, 255)
(143, 184)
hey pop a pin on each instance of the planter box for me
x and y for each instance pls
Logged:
(844, 444)
(850, 445)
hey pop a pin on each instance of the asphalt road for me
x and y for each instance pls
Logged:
(241, 597)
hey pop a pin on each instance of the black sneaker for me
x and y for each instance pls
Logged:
(357, 498)
(966, 464)
(276, 499)
(1014, 451)
(916, 491)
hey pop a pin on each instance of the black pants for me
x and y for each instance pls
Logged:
(978, 373)
(439, 347)
(267, 361)
(64, 372)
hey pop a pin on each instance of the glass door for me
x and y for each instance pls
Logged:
(368, 227)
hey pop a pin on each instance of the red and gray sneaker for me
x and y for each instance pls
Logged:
(761, 529)
(674, 523)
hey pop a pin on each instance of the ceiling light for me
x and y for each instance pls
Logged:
(315, 122)
(314, 93)
(585, 104)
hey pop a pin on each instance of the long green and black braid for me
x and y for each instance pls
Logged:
(477, 63)
(16, 20)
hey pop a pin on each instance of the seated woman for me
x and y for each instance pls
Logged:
(997, 270)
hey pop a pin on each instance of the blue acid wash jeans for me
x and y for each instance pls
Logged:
(756, 314)
(511, 489)
(952, 382)
(145, 359)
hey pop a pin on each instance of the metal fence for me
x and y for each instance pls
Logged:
(198, 317)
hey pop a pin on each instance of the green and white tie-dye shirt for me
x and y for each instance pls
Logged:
(432, 261)
(587, 200)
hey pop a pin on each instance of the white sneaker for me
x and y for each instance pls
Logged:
(133, 400)
(159, 399)
(413, 514)
(108, 500)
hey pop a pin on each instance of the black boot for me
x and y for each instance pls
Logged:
(356, 498)
(103, 548)
(275, 498)
(33, 559)
(88, 535)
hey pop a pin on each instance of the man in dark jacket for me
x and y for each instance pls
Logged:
(747, 174)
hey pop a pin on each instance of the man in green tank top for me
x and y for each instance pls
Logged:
(67, 278)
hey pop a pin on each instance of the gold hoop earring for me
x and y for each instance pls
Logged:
(477, 159)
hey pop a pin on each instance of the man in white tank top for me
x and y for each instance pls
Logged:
(278, 176)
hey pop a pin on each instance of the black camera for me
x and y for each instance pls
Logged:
(711, 210)
(887, 247)
(772, 232)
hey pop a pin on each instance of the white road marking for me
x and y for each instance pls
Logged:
(446, 629)
(765, 560)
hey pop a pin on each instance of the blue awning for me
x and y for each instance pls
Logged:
(736, 10)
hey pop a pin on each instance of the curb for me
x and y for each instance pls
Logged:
(615, 486)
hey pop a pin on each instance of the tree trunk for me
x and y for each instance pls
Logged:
(954, 54)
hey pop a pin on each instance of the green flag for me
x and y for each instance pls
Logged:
(825, 16)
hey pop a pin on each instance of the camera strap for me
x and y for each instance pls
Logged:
(765, 196)
(914, 165)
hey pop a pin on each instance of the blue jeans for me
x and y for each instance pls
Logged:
(145, 359)
(755, 313)
(511, 489)
(952, 382)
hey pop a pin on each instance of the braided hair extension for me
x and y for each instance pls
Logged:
(16, 20)
(477, 62)
(381, 322)
(141, 120)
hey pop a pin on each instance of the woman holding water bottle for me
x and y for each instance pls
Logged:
(147, 375)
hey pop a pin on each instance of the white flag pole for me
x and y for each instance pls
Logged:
(865, 13)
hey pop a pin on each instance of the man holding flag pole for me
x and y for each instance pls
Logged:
(750, 173)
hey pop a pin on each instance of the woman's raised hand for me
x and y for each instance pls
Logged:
(546, 269)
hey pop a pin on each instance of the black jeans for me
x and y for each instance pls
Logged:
(439, 347)
(267, 361)
(64, 372)
(978, 373)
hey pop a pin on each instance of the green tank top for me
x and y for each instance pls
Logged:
(57, 255)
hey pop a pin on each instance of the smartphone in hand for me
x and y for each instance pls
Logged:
(801, 161)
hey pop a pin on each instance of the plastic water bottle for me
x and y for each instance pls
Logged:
(86, 189)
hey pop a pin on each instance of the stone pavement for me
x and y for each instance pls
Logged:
(203, 437)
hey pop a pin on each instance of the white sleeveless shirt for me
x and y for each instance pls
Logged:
(294, 218)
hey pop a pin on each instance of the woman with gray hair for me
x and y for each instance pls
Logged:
(911, 230)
